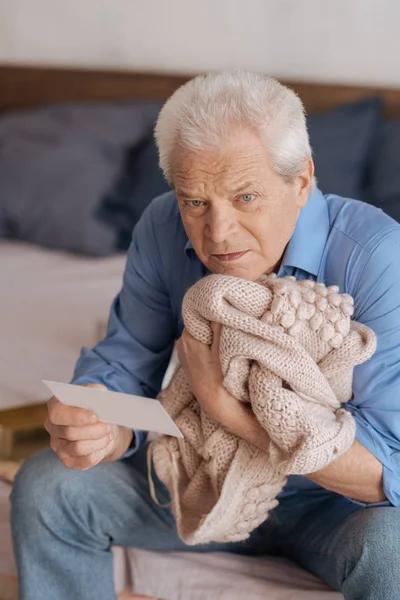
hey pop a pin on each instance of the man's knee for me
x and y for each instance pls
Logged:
(42, 486)
(379, 529)
(373, 540)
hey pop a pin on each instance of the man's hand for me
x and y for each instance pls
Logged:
(79, 439)
(202, 367)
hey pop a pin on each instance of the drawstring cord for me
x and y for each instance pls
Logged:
(153, 492)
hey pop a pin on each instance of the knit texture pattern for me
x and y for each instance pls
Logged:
(288, 348)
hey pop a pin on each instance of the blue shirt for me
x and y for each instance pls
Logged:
(336, 241)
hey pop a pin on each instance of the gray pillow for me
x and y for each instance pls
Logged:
(141, 181)
(343, 142)
(383, 190)
(56, 165)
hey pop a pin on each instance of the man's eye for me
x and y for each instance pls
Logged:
(195, 203)
(248, 197)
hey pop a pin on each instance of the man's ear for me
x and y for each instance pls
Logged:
(304, 183)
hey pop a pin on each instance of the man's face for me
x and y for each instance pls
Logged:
(238, 214)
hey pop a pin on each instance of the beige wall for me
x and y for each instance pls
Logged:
(331, 40)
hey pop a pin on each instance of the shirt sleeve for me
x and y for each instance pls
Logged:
(135, 353)
(376, 389)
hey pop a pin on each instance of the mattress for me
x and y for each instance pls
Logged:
(52, 304)
(188, 576)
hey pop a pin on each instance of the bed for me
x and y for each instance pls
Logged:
(54, 303)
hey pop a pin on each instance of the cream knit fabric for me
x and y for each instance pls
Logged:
(288, 348)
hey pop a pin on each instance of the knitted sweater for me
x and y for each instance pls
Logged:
(288, 348)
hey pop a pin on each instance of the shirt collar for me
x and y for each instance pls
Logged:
(307, 243)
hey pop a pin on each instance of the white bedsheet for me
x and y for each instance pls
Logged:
(51, 304)
(219, 576)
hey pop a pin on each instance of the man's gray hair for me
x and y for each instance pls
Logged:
(205, 110)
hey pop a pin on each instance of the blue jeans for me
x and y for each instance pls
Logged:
(65, 521)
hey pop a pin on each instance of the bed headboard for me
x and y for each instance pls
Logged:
(29, 86)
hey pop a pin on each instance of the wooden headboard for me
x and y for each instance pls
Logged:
(29, 86)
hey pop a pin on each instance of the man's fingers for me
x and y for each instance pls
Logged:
(74, 434)
(216, 329)
(81, 448)
(187, 338)
(61, 414)
(179, 350)
(82, 463)
(77, 436)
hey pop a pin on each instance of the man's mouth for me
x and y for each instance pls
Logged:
(230, 257)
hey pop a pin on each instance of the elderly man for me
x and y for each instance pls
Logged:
(236, 151)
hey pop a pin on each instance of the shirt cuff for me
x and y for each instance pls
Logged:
(84, 380)
(137, 440)
(372, 505)
(390, 481)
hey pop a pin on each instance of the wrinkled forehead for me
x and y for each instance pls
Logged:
(226, 168)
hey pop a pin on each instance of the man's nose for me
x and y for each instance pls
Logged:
(221, 223)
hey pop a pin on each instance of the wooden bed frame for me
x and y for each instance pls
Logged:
(21, 87)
